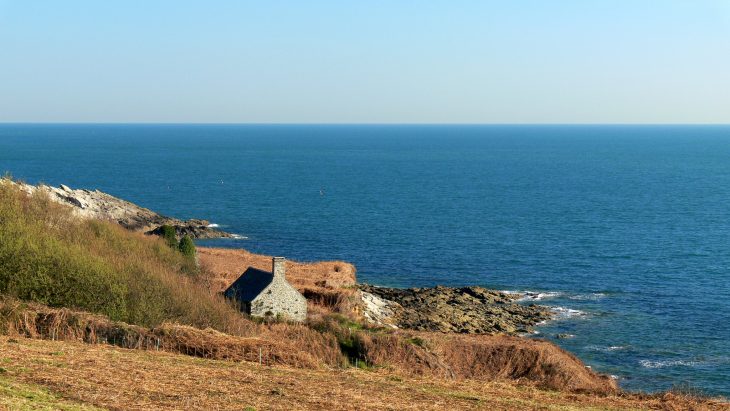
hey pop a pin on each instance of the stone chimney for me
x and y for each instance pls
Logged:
(279, 267)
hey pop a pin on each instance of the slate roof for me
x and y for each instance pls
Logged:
(249, 285)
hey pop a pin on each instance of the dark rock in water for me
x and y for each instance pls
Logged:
(191, 228)
(471, 310)
(564, 336)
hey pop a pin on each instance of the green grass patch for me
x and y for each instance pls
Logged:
(418, 341)
(20, 396)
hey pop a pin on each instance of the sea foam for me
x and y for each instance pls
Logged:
(607, 349)
(587, 297)
(533, 295)
(564, 312)
(668, 363)
(528, 295)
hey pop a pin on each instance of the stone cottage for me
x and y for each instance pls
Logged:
(263, 293)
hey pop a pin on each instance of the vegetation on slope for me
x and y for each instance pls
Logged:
(49, 256)
(187, 247)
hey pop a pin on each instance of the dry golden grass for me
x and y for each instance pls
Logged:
(329, 286)
(332, 343)
(115, 378)
(487, 358)
(278, 343)
(227, 265)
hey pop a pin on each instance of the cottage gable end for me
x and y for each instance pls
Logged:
(266, 294)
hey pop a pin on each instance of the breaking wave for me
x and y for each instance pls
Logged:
(607, 349)
(587, 297)
(564, 312)
(668, 363)
(527, 295)
(534, 295)
(712, 361)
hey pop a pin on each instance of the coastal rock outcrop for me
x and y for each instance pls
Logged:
(379, 310)
(466, 310)
(102, 206)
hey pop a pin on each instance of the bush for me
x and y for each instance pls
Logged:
(169, 235)
(187, 247)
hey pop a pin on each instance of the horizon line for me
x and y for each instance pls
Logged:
(162, 123)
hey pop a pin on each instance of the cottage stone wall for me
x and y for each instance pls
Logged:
(280, 298)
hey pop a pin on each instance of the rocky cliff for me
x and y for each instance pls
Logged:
(99, 205)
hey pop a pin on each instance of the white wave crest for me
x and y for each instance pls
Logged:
(528, 295)
(607, 349)
(533, 295)
(563, 312)
(587, 297)
(668, 363)
(213, 226)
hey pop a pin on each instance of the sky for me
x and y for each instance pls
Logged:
(516, 61)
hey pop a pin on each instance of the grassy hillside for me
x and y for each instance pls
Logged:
(50, 257)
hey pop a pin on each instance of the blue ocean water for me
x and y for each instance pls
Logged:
(624, 229)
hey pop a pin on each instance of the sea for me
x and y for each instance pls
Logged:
(623, 230)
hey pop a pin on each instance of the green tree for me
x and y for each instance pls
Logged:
(170, 236)
(187, 247)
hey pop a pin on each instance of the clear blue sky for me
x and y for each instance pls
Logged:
(516, 61)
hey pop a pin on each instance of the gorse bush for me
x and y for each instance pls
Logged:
(187, 247)
(49, 256)
(170, 236)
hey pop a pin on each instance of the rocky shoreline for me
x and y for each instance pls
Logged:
(102, 206)
(466, 310)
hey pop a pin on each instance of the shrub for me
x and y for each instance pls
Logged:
(187, 247)
(169, 235)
